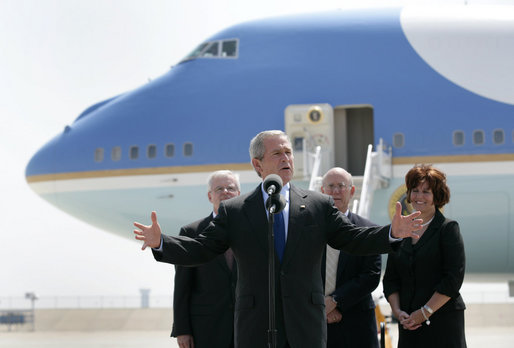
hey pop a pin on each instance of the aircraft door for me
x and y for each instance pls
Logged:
(353, 132)
(310, 125)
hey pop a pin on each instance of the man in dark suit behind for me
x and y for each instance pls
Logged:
(311, 221)
(204, 296)
(349, 279)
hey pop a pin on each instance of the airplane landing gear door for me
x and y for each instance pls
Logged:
(310, 125)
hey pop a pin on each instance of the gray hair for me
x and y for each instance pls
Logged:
(222, 173)
(257, 148)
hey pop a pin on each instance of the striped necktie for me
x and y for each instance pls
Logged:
(331, 269)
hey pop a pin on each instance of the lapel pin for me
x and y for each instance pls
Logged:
(302, 206)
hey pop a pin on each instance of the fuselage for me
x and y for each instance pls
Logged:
(436, 86)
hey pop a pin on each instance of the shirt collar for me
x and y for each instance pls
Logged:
(284, 192)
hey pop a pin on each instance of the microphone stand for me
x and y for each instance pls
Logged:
(272, 209)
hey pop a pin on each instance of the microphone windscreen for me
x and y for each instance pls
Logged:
(273, 179)
(277, 201)
(281, 203)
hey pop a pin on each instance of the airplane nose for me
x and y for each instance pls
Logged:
(41, 163)
(40, 171)
(52, 164)
(59, 155)
(45, 162)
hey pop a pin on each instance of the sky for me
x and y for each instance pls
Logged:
(59, 57)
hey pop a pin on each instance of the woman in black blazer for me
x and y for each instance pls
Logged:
(423, 278)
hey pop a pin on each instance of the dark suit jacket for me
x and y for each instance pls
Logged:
(357, 277)
(204, 298)
(242, 225)
(435, 263)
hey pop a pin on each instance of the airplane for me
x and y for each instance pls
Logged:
(420, 84)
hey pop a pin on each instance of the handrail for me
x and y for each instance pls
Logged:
(315, 168)
(364, 203)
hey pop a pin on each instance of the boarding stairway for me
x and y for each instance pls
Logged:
(377, 175)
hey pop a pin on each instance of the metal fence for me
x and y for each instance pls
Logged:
(472, 293)
(73, 302)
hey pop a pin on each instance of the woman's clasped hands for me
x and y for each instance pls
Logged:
(412, 321)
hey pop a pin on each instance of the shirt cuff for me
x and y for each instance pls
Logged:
(160, 246)
(391, 238)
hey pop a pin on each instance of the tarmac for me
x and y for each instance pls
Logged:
(477, 337)
(487, 325)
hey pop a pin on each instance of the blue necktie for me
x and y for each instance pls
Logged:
(279, 229)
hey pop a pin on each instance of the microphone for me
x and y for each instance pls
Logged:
(272, 184)
(275, 203)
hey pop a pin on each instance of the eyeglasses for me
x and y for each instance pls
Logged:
(341, 186)
(230, 189)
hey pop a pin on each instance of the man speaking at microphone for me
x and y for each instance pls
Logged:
(309, 221)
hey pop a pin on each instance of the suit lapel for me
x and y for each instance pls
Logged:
(341, 263)
(297, 207)
(256, 214)
(234, 269)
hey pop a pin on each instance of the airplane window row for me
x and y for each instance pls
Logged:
(215, 49)
(478, 137)
(151, 152)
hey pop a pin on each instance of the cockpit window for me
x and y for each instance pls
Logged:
(212, 50)
(196, 52)
(229, 48)
(215, 49)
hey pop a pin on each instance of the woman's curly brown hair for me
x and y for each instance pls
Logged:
(436, 181)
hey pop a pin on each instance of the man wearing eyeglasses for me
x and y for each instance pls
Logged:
(204, 296)
(349, 279)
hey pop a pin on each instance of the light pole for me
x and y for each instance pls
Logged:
(32, 297)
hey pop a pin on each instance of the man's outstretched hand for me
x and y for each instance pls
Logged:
(405, 226)
(150, 235)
